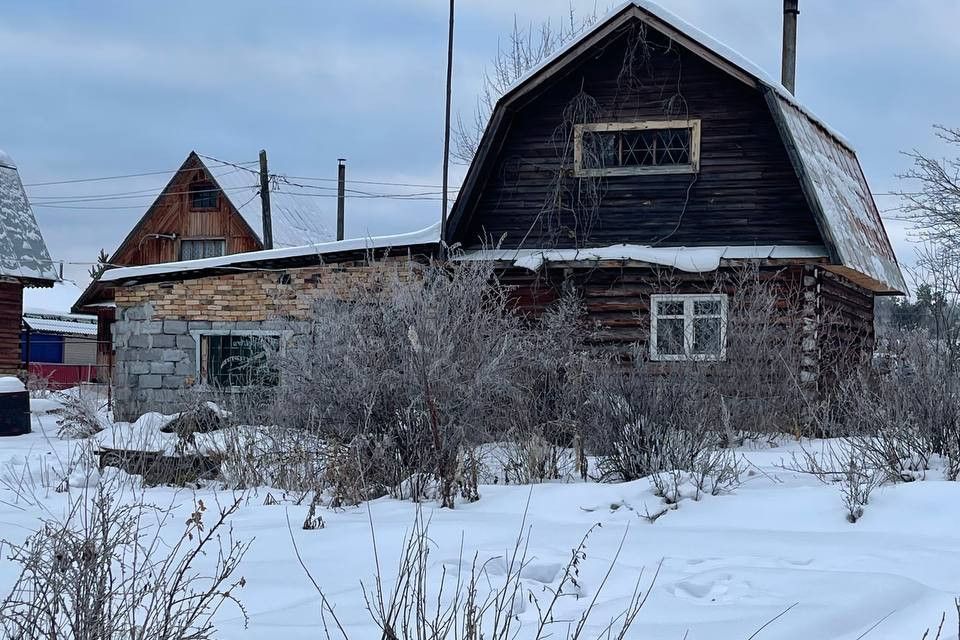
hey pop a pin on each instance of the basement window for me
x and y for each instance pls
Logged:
(202, 248)
(636, 148)
(238, 360)
(688, 327)
(203, 195)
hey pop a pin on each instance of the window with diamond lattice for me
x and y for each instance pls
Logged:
(632, 148)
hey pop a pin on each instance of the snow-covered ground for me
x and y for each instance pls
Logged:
(728, 564)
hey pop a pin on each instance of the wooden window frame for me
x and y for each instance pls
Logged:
(642, 125)
(213, 189)
(689, 318)
(180, 242)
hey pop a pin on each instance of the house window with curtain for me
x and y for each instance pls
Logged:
(636, 148)
(202, 248)
(688, 327)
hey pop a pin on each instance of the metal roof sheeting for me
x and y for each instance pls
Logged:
(63, 325)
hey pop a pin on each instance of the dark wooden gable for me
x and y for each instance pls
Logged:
(522, 188)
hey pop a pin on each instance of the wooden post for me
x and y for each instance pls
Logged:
(341, 194)
(788, 69)
(446, 130)
(27, 345)
(265, 201)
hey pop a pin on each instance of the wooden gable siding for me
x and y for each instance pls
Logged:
(171, 214)
(11, 308)
(745, 193)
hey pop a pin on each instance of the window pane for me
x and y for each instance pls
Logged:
(670, 337)
(187, 248)
(600, 149)
(203, 195)
(706, 307)
(238, 361)
(706, 336)
(195, 249)
(670, 307)
(655, 147)
(212, 248)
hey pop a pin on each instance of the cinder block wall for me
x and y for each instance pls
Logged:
(155, 333)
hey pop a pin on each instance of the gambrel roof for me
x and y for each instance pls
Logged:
(23, 253)
(832, 179)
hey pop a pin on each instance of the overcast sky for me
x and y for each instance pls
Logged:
(104, 88)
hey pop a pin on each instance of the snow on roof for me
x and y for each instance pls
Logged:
(430, 235)
(705, 40)
(690, 259)
(296, 217)
(62, 324)
(23, 253)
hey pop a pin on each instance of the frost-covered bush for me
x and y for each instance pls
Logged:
(904, 419)
(104, 572)
(431, 364)
(79, 417)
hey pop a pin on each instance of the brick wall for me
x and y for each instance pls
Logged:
(259, 295)
(158, 325)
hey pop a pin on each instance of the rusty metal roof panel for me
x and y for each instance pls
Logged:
(840, 196)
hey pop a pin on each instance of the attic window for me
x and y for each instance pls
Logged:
(636, 148)
(203, 195)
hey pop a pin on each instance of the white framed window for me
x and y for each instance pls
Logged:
(636, 148)
(688, 327)
(234, 360)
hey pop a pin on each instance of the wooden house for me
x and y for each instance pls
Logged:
(647, 146)
(24, 261)
(643, 147)
(197, 215)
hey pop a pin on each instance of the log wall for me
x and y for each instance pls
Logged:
(11, 310)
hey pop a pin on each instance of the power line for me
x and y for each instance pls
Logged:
(130, 195)
(372, 182)
(116, 177)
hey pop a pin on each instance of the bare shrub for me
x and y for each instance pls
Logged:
(79, 417)
(38, 386)
(105, 572)
(475, 601)
(857, 483)
(428, 364)
(847, 466)
(904, 417)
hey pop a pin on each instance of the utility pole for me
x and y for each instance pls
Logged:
(341, 194)
(788, 68)
(265, 201)
(446, 131)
